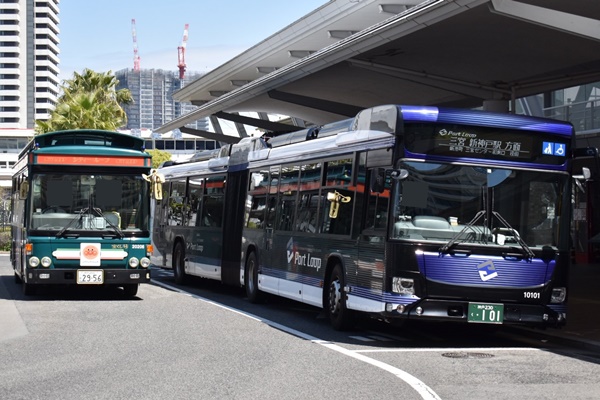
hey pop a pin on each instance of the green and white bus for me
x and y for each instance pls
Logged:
(81, 211)
(403, 212)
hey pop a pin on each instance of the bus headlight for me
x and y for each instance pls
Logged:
(134, 262)
(404, 286)
(46, 262)
(34, 262)
(559, 294)
(145, 262)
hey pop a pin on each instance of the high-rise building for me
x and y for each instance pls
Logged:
(152, 92)
(28, 61)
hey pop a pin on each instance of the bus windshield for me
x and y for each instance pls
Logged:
(77, 202)
(457, 204)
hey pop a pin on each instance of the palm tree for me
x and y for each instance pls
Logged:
(89, 100)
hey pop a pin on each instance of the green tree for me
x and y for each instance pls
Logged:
(89, 100)
(158, 157)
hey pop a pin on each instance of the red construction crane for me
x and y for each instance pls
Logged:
(136, 57)
(181, 52)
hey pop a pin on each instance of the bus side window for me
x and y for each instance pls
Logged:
(213, 202)
(307, 213)
(177, 202)
(287, 206)
(271, 211)
(338, 201)
(194, 200)
(212, 211)
(341, 222)
(256, 202)
(288, 193)
(256, 211)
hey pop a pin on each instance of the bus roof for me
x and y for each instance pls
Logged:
(85, 137)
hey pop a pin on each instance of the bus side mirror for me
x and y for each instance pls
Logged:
(587, 174)
(23, 190)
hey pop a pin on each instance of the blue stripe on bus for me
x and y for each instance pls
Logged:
(384, 297)
(485, 271)
(357, 291)
(496, 120)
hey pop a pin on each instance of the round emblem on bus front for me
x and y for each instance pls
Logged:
(90, 252)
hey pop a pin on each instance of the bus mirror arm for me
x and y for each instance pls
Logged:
(586, 175)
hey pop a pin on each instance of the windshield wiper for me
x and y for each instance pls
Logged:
(115, 228)
(96, 211)
(445, 248)
(528, 253)
(77, 218)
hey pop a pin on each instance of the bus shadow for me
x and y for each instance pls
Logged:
(455, 339)
(11, 290)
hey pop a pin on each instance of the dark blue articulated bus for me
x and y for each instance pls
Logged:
(403, 212)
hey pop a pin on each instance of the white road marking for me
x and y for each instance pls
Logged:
(449, 349)
(420, 387)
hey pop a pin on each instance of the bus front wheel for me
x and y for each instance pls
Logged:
(251, 279)
(179, 265)
(341, 318)
(131, 289)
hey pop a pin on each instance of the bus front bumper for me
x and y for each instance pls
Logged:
(534, 315)
(40, 276)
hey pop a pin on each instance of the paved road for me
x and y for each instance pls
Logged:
(207, 341)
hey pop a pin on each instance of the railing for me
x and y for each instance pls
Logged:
(585, 116)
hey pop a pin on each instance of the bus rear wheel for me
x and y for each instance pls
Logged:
(179, 265)
(340, 317)
(251, 279)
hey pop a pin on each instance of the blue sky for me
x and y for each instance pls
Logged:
(98, 35)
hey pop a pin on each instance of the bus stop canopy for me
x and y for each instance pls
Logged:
(346, 56)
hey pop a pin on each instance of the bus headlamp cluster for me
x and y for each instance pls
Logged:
(405, 286)
(134, 262)
(35, 262)
(559, 294)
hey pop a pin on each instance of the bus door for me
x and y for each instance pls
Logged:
(267, 256)
(159, 215)
(371, 241)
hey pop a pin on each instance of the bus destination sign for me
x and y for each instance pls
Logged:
(480, 144)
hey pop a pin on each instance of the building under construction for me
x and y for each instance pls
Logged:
(153, 104)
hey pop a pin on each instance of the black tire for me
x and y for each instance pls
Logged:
(18, 279)
(179, 265)
(131, 289)
(251, 279)
(339, 316)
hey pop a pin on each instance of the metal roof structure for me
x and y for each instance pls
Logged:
(349, 55)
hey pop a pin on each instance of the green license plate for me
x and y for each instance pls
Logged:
(486, 313)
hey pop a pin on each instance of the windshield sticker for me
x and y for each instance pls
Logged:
(554, 149)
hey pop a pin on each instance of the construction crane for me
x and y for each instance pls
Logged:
(136, 57)
(181, 53)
